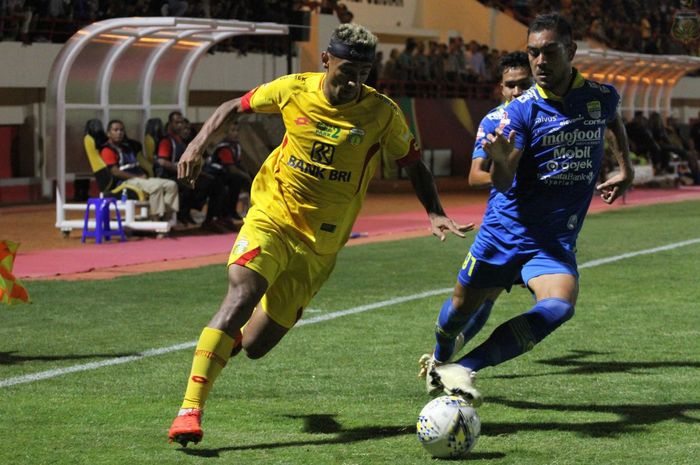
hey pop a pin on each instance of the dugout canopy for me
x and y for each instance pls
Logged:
(129, 66)
(645, 82)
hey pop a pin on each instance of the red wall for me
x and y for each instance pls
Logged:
(7, 136)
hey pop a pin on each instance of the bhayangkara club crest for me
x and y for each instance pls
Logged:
(356, 136)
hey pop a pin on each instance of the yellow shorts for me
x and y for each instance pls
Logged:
(293, 271)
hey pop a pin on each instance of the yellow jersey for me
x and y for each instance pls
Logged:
(315, 181)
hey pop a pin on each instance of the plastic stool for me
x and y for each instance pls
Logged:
(103, 229)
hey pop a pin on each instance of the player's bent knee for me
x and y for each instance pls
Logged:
(558, 310)
(547, 315)
(255, 351)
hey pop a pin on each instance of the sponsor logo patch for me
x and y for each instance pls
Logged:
(505, 120)
(564, 137)
(327, 130)
(322, 153)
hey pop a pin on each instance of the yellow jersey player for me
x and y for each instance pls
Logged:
(304, 202)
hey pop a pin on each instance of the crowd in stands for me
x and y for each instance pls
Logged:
(56, 20)
(448, 70)
(420, 69)
(95, 10)
(639, 26)
(626, 25)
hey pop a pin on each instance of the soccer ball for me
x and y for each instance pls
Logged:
(448, 427)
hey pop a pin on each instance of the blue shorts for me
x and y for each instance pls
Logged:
(511, 261)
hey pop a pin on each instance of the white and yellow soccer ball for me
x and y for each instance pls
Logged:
(448, 427)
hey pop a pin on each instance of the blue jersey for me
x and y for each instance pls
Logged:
(487, 126)
(562, 144)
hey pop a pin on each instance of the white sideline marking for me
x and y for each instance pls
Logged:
(309, 321)
(93, 365)
(603, 261)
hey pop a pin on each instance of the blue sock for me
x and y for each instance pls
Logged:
(451, 322)
(478, 320)
(520, 334)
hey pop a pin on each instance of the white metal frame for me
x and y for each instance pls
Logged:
(164, 33)
(645, 82)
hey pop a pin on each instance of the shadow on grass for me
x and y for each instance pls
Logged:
(576, 365)
(632, 418)
(327, 424)
(14, 358)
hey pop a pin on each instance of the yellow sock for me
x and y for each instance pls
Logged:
(210, 357)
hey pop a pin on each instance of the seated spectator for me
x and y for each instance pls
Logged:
(661, 136)
(643, 144)
(694, 135)
(225, 164)
(188, 131)
(119, 155)
(677, 138)
(206, 191)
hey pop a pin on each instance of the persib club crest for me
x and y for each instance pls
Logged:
(356, 136)
(686, 23)
(594, 109)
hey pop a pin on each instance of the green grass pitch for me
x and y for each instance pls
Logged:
(618, 383)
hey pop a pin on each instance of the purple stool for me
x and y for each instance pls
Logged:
(102, 218)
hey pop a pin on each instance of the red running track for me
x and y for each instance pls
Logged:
(90, 257)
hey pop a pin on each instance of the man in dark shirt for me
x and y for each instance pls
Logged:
(205, 191)
(225, 165)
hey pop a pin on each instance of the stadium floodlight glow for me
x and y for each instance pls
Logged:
(648, 80)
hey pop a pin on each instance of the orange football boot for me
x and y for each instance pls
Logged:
(187, 427)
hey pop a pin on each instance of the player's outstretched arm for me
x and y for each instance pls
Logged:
(478, 176)
(505, 158)
(190, 164)
(618, 184)
(424, 186)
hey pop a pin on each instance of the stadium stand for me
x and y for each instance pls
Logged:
(440, 64)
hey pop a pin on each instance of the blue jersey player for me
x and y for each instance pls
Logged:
(546, 154)
(516, 78)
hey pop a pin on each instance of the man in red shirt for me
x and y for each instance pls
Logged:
(119, 155)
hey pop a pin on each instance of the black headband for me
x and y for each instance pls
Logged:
(345, 51)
